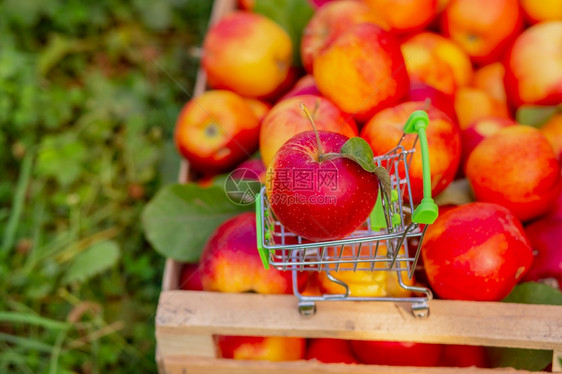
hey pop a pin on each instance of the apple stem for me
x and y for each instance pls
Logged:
(309, 116)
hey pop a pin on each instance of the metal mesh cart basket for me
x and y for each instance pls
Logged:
(381, 244)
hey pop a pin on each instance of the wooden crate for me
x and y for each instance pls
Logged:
(187, 320)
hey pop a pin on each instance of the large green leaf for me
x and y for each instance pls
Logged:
(97, 258)
(180, 218)
(527, 359)
(292, 15)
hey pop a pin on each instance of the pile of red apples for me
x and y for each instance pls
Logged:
(364, 67)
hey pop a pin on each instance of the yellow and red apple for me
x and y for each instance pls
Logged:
(362, 71)
(544, 10)
(286, 119)
(230, 261)
(270, 348)
(533, 73)
(216, 131)
(490, 79)
(477, 131)
(247, 53)
(436, 61)
(472, 104)
(405, 16)
(484, 29)
(385, 129)
(517, 168)
(329, 21)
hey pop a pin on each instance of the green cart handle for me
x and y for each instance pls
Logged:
(264, 253)
(427, 211)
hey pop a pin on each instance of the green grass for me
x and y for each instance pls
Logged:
(87, 110)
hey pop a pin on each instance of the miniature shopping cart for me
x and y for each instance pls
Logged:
(381, 244)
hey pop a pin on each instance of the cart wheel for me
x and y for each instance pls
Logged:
(420, 310)
(307, 308)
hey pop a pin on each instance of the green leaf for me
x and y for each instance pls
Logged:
(536, 115)
(527, 359)
(94, 260)
(534, 293)
(358, 150)
(180, 218)
(292, 15)
(518, 358)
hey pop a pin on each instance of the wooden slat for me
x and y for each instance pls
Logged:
(451, 322)
(197, 365)
(171, 277)
(192, 345)
(557, 361)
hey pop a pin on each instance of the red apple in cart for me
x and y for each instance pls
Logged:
(330, 351)
(317, 196)
(396, 353)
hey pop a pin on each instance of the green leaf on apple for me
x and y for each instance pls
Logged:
(357, 149)
(180, 218)
(292, 15)
(527, 359)
(536, 115)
